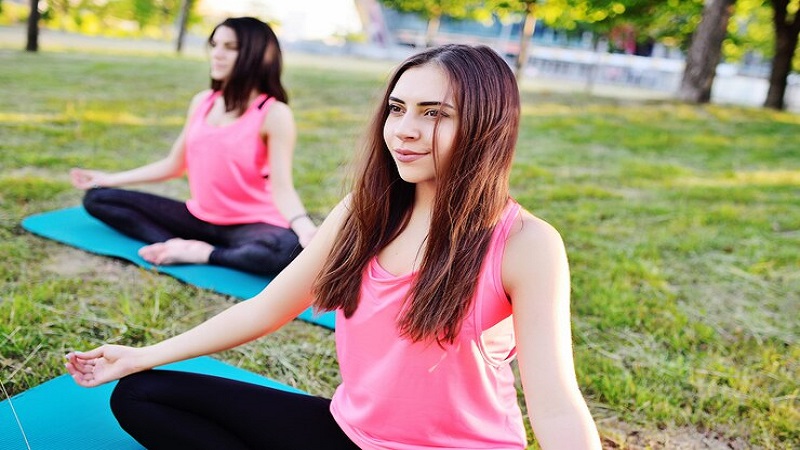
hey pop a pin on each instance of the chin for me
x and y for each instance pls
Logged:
(413, 177)
(218, 77)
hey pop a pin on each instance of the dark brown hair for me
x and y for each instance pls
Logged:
(472, 192)
(258, 66)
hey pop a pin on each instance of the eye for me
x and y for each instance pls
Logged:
(436, 113)
(395, 109)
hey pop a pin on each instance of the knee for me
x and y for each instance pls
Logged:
(127, 393)
(94, 198)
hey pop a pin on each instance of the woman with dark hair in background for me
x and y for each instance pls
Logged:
(236, 149)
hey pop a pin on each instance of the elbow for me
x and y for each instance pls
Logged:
(282, 186)
(566, 428)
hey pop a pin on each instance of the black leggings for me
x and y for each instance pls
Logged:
(164, 409)
(256, 247)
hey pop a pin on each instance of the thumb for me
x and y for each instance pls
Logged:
(91, 354)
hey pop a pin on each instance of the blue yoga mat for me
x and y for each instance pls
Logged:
(75, 227)
(60, 415)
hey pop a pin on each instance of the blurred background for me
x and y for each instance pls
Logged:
(724, 51)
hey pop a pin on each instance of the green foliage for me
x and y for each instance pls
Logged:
(457, 9)
(150, 18)
(670, 22)
(681, 224)
(750, 30)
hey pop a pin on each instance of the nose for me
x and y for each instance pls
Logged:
(406, 127)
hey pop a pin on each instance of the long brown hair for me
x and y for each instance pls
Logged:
(471, 193)
(258, 66)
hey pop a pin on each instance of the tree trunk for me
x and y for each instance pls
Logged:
(705, 52)
(433, 30)
(183, 20)
(786, 37)
(528, 27)
(32, 44)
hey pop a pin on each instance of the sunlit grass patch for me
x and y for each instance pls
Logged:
(24, 189)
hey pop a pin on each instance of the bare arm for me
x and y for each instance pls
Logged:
(279, 132)
(281, 301)
(171, 166)
(536, 276)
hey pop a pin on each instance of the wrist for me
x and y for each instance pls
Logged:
(145, 358)
(299, 219)
(304, 228)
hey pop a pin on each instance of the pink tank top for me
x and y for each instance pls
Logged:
(400, 395)
(228, 167)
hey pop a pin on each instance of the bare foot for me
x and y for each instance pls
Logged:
(177, 251)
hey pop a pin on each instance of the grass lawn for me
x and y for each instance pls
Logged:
(682, 224)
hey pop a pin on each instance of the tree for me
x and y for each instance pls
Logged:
(705, 52)
(600, 16)
(183, 20)
(529, 25)
(786, 22)
(670, 22)
(433, 10)
(32, 44)
(527, 10)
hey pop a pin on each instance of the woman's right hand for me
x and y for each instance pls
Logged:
(87, 179)
(103, 364)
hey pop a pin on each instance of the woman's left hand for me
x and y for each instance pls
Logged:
(102, 364)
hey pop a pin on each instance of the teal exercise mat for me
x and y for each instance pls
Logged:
(75, 227)
(60, 415)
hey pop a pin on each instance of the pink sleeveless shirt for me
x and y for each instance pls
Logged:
(228, 167)
(400, 395)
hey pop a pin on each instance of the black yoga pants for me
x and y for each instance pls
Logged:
(256, 247)
(165, 409)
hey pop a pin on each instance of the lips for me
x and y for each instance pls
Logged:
(407, 156)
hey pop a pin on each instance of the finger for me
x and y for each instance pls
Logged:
(85, 380)
(91, 354)
(85, 368)
(70, 368)
(76, 371)
(71, 358)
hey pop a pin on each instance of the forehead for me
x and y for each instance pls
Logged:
(224, 33)
(422, 84)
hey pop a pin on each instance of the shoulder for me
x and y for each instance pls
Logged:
(279, 111)
(198, 99)
(279, 117)
(533, 248)
(531, 232)
(202, 95)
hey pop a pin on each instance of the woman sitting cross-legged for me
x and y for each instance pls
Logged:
(236, 148)
(439, 279)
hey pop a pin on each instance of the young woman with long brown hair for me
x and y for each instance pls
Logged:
(236, 149)
(439, 279)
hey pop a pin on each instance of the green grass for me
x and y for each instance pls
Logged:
(682, 225)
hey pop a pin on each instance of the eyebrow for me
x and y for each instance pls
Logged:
(448, 105)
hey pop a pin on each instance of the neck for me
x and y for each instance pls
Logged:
(424, 196)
